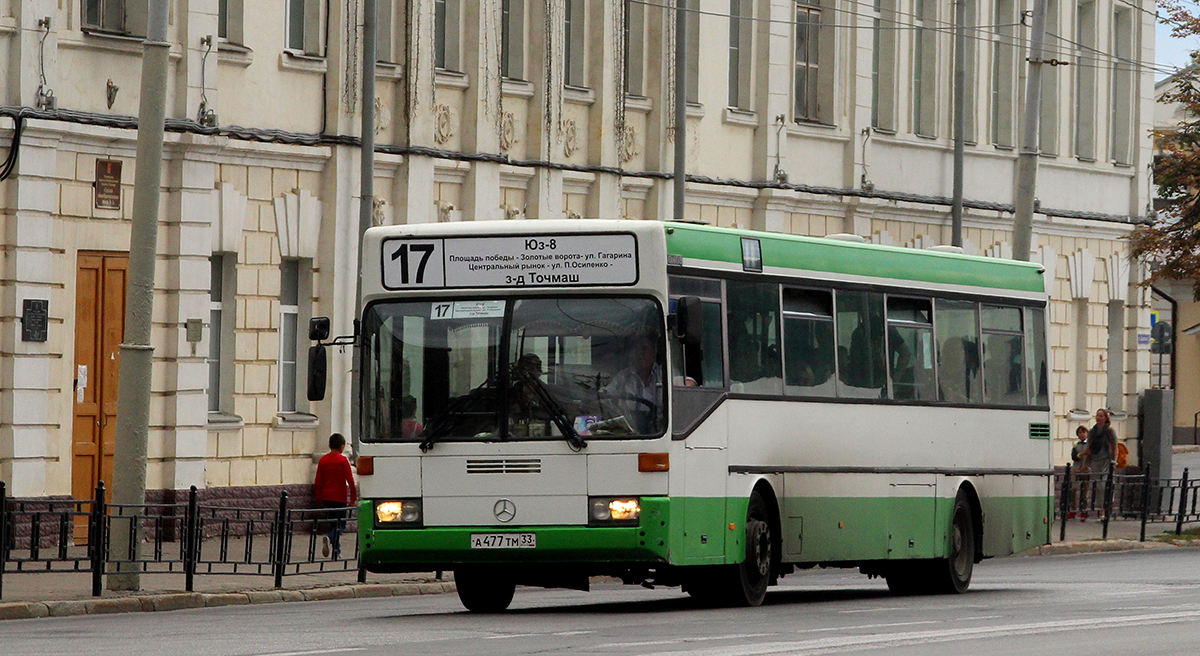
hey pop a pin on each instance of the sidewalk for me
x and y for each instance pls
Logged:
(56, 594)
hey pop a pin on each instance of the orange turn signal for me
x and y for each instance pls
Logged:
(366, 465)
(653, 462)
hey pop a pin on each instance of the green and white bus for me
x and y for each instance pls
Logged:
(679, 404)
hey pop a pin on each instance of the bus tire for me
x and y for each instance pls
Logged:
(484, 590)
(754, 573)
(743, 584)
(952, 574)
(949, 575)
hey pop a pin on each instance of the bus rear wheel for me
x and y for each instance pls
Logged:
(952, 574)
(483, 590)
(949, 575)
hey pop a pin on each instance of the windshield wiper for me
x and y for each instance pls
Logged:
(442, 422)
(558, 414)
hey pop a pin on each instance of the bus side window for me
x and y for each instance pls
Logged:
(703, 366)
(808, 351)
(862, 369)
(910, 348)
(1003, 356)
(754, 358)
(707, 367)
(957, 327)
(1035, 346)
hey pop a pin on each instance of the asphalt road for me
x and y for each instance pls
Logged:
(1142, 602)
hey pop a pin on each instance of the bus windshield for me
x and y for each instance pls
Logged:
(513, 369)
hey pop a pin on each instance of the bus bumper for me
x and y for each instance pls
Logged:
(443, 547)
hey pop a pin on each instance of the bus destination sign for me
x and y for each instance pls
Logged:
(519, 261)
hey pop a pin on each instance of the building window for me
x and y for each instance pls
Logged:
(1004, 75)
(223, 19)
(447, 28)
(1085, 82)
(114, 16)
(693, 51)
(107, 15)
(386, 43)
(1123, 76)
(883, 66)
(303, 26)
(575, 52)
(741, 55)
(806, 105)
(1048, 122)
(970, 57)
(512, 39)
(635, 48)
(289, 315)
(221, 321)
(924, 105)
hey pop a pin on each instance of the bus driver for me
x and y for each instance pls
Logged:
(636, 391)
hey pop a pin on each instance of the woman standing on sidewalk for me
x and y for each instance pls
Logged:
(1101, 445)
(334, 489)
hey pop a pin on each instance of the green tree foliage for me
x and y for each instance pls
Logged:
(1171, 243)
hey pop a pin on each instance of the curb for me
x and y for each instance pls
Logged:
(183, 600)
(1094, 546)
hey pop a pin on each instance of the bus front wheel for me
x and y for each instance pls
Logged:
(484, 591)
(744, 584)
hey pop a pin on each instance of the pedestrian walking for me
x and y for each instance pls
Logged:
(334, 489)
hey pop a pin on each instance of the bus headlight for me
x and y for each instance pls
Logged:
(398, 511)
(614, 510)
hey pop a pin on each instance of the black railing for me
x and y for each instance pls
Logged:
(1112, 496)
(68, 535)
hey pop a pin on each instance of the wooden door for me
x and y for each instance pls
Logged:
(99, 330)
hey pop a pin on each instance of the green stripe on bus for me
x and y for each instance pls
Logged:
(711, 531)
(848, 258)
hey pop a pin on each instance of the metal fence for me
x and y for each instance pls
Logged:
(70, 535)
(1115, 497)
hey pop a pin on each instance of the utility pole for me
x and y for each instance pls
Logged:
(137, 354)
(366, 207)
(1027, 158)
(960, 105)
(680, 179)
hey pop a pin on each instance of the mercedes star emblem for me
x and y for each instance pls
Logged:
(505, 510)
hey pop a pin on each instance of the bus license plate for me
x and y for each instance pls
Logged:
(503, 540)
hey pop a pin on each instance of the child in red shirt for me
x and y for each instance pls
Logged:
(334, 489)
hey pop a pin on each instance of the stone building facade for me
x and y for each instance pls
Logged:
(808, 117)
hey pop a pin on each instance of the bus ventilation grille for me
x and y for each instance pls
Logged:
(1039, 431)
(505, 466)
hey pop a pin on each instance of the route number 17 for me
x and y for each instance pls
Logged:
(410, 252)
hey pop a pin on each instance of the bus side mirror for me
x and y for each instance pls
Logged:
(318, 329)
(316, 372)
(689, 320)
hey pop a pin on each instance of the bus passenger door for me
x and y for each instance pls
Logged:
(912, 516)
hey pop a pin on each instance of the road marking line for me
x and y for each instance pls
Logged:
(842, 643)
(312, 652)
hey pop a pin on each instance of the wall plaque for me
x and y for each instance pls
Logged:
(108, 184)
(35, 317)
